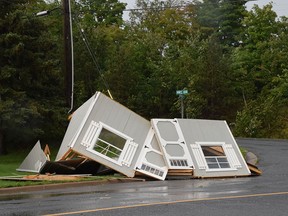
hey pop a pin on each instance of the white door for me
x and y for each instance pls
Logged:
(151, 160)
(172, 143)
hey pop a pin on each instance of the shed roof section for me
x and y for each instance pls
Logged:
(200, 130)
(34, 160)
(206, 146)
(213, 148)
(78, 119)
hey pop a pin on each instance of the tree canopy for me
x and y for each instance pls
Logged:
(233, 62)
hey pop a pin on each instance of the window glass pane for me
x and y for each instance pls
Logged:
(211, 160)
(224, 165)
(215, 157)
(222, 160)
(109, 144)
(112, 138)
(213, 166)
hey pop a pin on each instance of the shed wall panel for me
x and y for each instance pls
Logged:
(120, 119)
(212, 131)
(74, 126)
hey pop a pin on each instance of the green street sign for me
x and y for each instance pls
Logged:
(182, 92)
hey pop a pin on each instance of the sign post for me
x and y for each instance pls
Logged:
(181, 94)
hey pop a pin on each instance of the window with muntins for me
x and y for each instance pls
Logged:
(215, 157)
(109, 144)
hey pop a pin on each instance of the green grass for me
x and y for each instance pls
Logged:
(243, 151)
(8, 165)
(10, 162)
(14, 183)
(8, 183)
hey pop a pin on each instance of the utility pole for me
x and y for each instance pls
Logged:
(68, 54)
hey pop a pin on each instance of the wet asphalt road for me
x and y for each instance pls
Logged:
(265, 195)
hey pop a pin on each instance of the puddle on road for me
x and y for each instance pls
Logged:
(187, 190)
(41, 196)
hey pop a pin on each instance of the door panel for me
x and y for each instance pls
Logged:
(151, 160)
(172, 143)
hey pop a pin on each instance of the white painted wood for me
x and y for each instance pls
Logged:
(232, 157)
(154, 170)
(90, 135)
(173, 162)
(72, 143)
(199, 156)
(238, 149)
(129, 152)
(90, 138)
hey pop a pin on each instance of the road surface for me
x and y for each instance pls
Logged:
(265, 195)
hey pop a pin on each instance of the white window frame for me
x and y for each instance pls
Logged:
(128, 139)
(221, 144)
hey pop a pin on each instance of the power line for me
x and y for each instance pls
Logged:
(88, 46)
(156, 8)
(183, 5)
(161, 7)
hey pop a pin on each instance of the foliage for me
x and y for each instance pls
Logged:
(26, 75)
(222, 18)
(233, 63)
(9, 163)
(100, 12)
(263, 62)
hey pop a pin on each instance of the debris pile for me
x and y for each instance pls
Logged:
(103, 136)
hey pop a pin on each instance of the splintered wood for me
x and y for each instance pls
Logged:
(184, 172)
(53, 177)
(254, 169)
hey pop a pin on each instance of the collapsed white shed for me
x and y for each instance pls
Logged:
(205, 146)
(110, 134)
(34, 160)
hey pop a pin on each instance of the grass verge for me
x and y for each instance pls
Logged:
(10, 162)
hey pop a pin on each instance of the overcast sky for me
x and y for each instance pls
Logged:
(280, 6)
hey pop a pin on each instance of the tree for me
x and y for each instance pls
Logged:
(153, 52)
(266, 116)
(222, 18)
(94, 13)
(260, 28)
(26, 73)
(92, 21)
(208, 16)
(230, 22)
(262, 62)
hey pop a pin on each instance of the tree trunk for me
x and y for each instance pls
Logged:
(3, 150)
